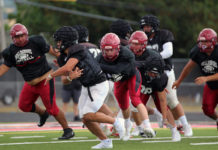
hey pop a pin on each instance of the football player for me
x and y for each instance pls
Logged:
(27, 54)
(154, 80)
(119, 64)
(81, 64)
(161, 40)
(205, 55)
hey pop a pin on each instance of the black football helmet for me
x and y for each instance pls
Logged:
(121, 28)
(156, 66)
(83, 33)
(67, 35)
(150, 20)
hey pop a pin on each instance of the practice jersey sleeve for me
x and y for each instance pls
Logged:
(193, 54)
(40, 43)
(7, 57)
(166, 36)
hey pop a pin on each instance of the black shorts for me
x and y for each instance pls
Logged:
(74, 93)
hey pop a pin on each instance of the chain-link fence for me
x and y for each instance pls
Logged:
(11, 84)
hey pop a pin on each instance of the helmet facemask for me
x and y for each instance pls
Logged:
(152, 21)
(110, 53)
(110, 46)
(138, 42)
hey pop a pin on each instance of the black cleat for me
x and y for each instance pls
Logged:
(68, 133)
(43, 119)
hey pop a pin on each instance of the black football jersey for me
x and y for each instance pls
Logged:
(120, 69)
(92, 73)
(207, 64)
(161, 36)
(30, 60)
(62, 59)
(93, 49)
(143, 62)
(156, 85)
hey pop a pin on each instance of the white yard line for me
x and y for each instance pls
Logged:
(162, 141)
(26, 137)
(94, 140)
(74, 138)
(209, 143)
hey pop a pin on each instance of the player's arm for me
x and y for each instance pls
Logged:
(202, 79)
(68, 67)
(186, 70)
(163, 103)
(3, 69)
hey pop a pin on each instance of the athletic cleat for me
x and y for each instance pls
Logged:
(180, 129)
(176, 137)
(43, 119)
(68, 133)
(148, 133)
(128, 127)
(104, 144)
(187, 130)
(135, 131)
(119, 128)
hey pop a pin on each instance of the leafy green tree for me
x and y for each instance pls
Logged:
(184, 18)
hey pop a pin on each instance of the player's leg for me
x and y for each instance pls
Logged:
(48, 95)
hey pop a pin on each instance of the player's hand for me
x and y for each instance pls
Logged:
(200, 80)
(176, 85)
(48, 78)
(75, 73)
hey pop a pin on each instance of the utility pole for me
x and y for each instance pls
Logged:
(2, 26)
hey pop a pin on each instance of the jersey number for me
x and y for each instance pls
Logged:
(146, 90)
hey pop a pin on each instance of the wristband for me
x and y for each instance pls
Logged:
(68, 78)
(49, 76)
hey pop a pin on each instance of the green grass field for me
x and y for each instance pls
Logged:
(47, 140)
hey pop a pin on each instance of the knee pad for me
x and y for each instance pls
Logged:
(172, 100)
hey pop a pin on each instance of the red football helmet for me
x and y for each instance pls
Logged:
(16, 30)
(207, 35)
(138, 42)
(110, 46)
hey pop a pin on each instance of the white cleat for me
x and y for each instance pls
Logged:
(128, 127)
(187, 130)
(104, 144)
(135, 131)
(176, 137)
(119, 128)
(149, 133)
